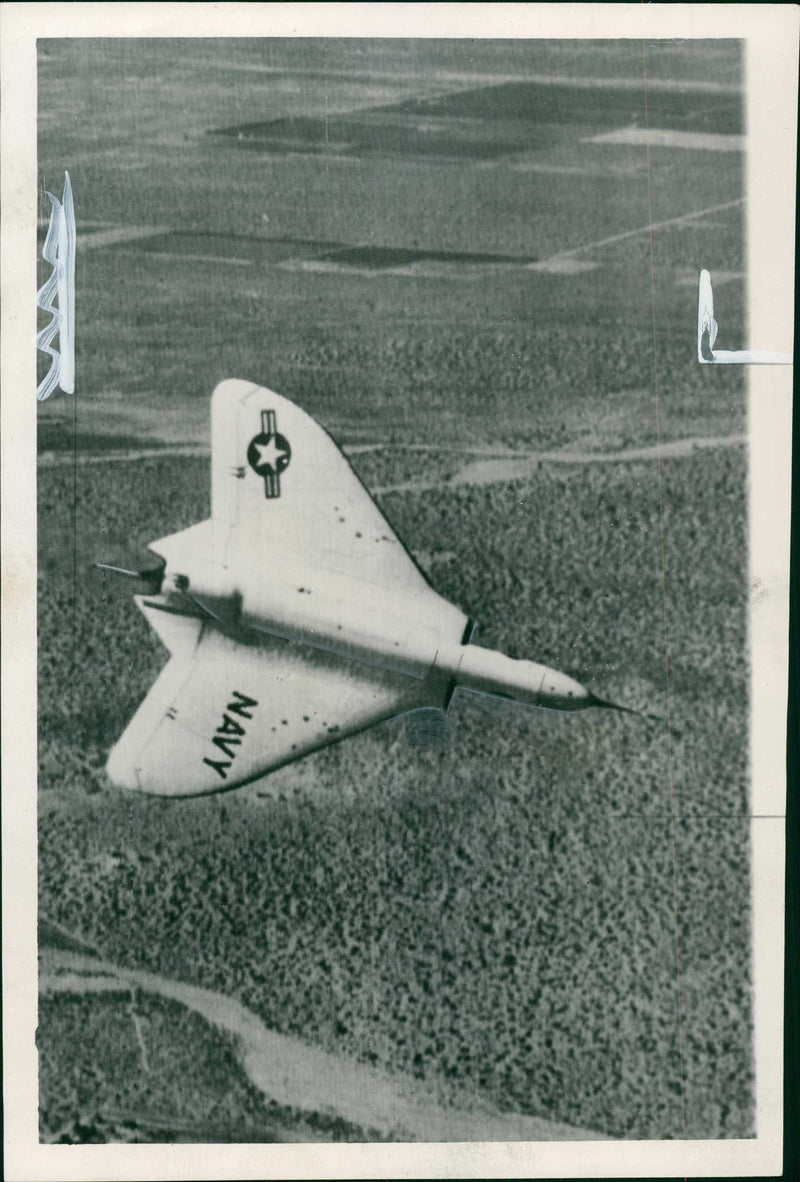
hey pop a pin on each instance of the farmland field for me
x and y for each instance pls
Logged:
(431, 249)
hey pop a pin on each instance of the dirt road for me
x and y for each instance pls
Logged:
(301, 1076)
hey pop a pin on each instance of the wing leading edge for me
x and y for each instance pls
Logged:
(222, 713)
(280, 480)
(295, 535)
(285, 502)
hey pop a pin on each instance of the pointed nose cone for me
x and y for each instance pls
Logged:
(559, 691)
(602, 704)
(489, 672)
(485, 671)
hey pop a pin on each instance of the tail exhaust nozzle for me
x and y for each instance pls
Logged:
(152, 578)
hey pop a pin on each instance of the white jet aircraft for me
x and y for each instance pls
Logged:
(294, 616)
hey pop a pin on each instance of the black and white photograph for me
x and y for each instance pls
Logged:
(394, 478)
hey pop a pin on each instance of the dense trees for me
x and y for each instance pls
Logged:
(496, 914)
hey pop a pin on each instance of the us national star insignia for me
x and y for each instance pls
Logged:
(269, 454)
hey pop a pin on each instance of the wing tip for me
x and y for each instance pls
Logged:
(230, 391)
(121, 771)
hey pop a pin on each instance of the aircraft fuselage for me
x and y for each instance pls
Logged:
(330, 612)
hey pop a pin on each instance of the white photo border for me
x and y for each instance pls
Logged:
(770, 32)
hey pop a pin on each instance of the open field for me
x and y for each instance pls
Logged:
(494, 916)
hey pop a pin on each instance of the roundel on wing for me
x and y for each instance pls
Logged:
(268, 454)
